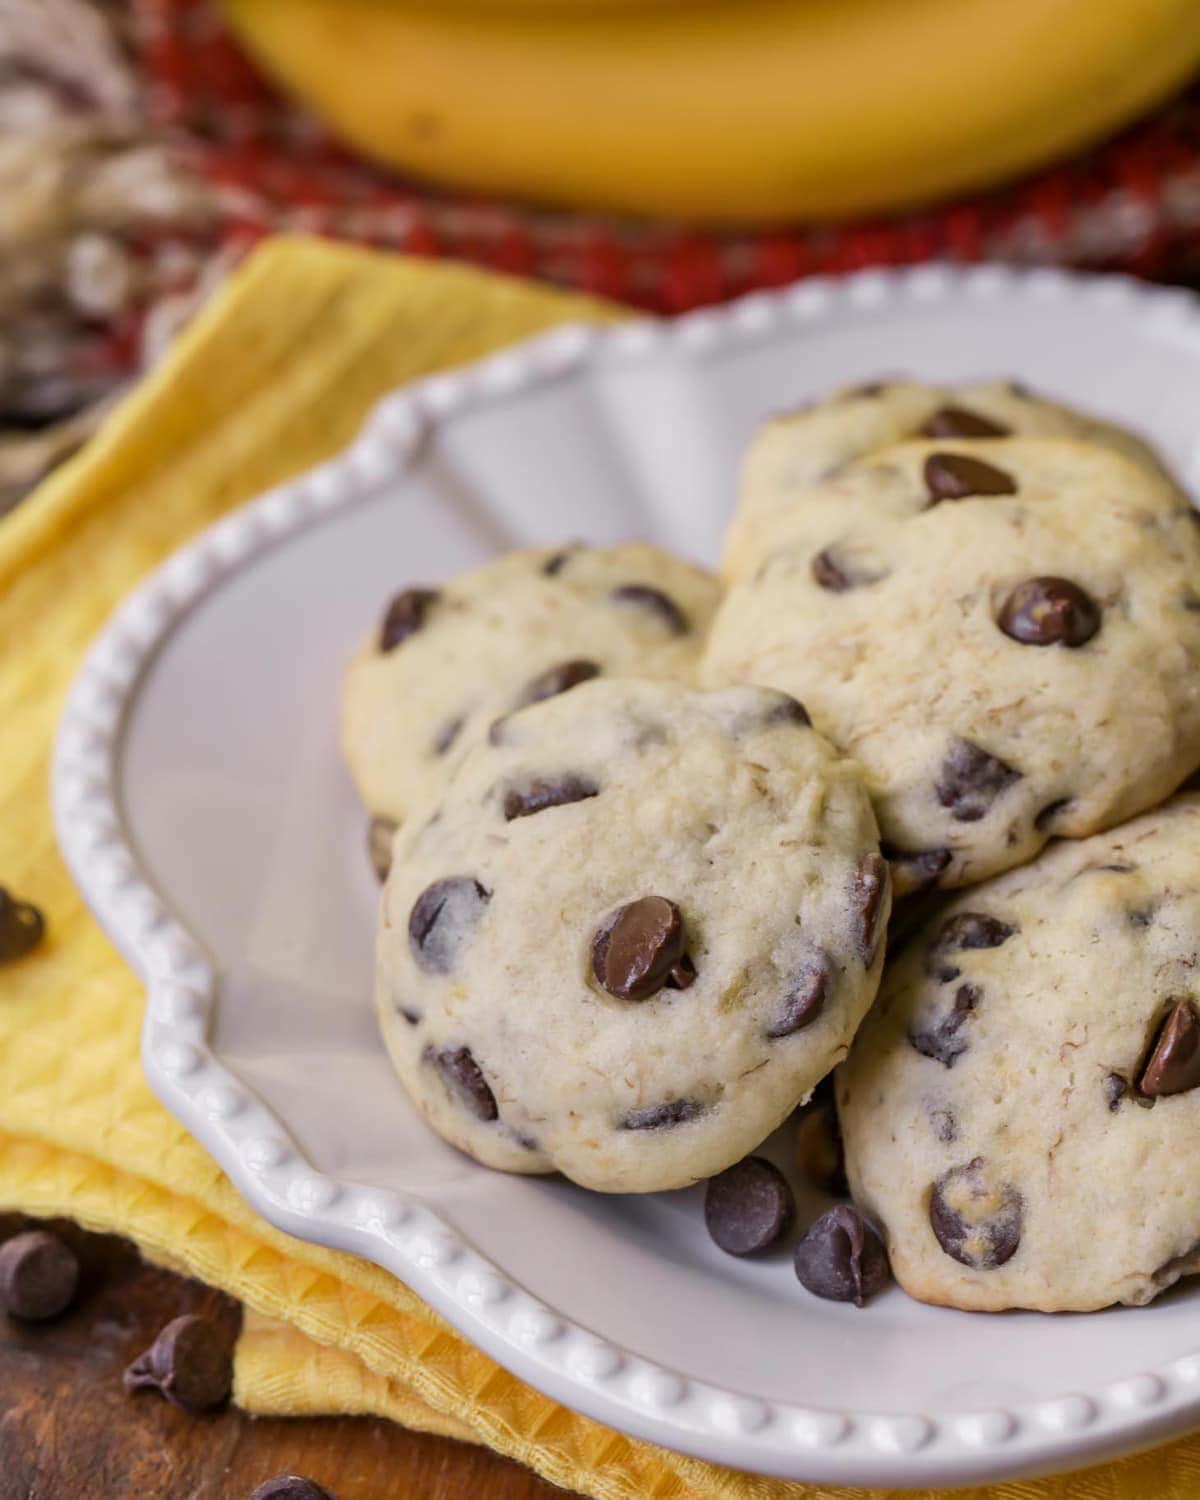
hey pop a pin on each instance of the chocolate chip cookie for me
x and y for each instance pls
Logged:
(1004, 632)
(1020, 1108)
(636, 929)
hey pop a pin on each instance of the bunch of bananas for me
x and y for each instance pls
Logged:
(723, 111)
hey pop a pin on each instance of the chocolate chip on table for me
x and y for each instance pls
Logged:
(289, 1487)
(964, 930)
(915, 871)
(975, 1217)
(748, 1207)
(942, 1039)
(443, 916)
(380, 833)
(820, 1159)
(958, 476)
(1046, 815)
(660, 1116)
(1172, 1064)
(1115, 1088)
(39, 1276)
(1049, 611)
(560, 678)
(447, 734)
(841, 1258)
(656, 602)
(464, 1077)
(639, 948)
(971, 779)
(406, 614)
(541, 792)
(805, 997)
(22, 927)
(190, 1363)
(958, 422)
(870, 887)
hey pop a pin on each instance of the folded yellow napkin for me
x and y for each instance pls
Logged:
(272, 378)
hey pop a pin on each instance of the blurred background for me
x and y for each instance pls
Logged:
(668, 155)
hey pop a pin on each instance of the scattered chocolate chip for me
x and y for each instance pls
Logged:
(748, 1207)
(945, 1124)
(380, 833)
(1049, 612)
(463, 1076)
(975, 1218)
(657, 1116)
(447, 734)
(915, 871)
(958, 422)
(541, 792)
(443, 916)
(964, 930)
(805, 997)
(39, 1276)
(22, 927)
(658, 603)
(841, 1258)
(1046, 815)
(190, 1363)
(971, 779)
(1115, 1089)
(957, 476)
(870, 888)
(639, 948)
(289, 1487)
(1172, 1065)
(406, 614)
(941, 1038)
(820, 1158)
(560, 678)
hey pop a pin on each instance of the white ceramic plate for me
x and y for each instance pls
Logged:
(202, 807)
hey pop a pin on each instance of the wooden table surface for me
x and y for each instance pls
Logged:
(68, 1431)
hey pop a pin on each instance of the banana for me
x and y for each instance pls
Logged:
(724, 112)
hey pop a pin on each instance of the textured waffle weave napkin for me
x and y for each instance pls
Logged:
(275, 376)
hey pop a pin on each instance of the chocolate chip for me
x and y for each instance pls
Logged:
(22, 927)
(406, 614)
(958, 422)
(443, 916)
(413, 1017)
(380, 833)
(820, 1158)
(447, 734)
(656, 602)
(915, 871)
(1049, 611)
(748, 1207)
(289, 1487)
(1046, 815)
(1172, 1065)
(1115, 1089)
(941, 1039)
(975, 1218)
(841, 1258)
(971, 779)
(957, 476)
(39, 1276)
(557, 561)
(837, 574)
(190, 1363)
(805, 998)
(867, 390)
(639, 948)
(945, 1124)
(786, 710)
(560, 678)
(964, 930)
(463, 1076)
(658, 1116)
(541, 792)
(870, 888)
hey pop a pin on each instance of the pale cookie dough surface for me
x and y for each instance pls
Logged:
(881, 608)
(726, 806)
(472, 648)
(1000, 1119)
(795, 450)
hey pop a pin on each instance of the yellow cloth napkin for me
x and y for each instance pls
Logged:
(273, 377)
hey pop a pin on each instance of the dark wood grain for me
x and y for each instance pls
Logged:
(67, 1428)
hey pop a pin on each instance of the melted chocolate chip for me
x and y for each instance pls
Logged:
(22, 927)
(915, 871)
(957, 476)
(656, 602)
(380, 834)
(406, 614)
(541, 792)
(39, 1276)
(964, 930)
(1115, 1089)
(289, 1487)
(971, 780)
(447, 734)
(443, 917)
(1172, 1065)
(463, 1076)
(190, 1363)
(841, 1258)
(1047, 814)
(749, 1207)
(975, 1218)
(805, 997)
(959, 422)
(870, 889)
(639, 948)
(820, 1158)
(941, 1038)
(1049, 611)
(560, 678)
(661, 1116)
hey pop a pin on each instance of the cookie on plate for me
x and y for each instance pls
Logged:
(445, 663)
(798, 449)
(1020, 1109)
(636, 930)
(1005, 633)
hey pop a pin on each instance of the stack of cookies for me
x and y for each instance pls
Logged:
(642, 833)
